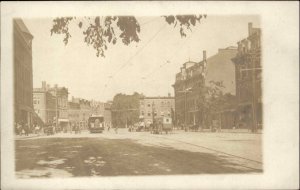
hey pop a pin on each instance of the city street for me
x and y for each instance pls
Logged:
(137, 153)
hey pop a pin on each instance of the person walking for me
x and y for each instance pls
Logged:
(26, 129)
(116, 129)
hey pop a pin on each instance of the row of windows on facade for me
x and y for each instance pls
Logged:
(162, 103)
(155, 114)
(61, 102)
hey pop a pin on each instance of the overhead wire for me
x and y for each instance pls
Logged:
(137, 52)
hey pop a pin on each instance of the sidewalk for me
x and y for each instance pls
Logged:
(18, 137)
(229, 131)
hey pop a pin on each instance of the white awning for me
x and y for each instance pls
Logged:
(63, 120)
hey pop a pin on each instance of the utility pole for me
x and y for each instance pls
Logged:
(56, 118)
(185, 109)
(153, 113)
(253, 60)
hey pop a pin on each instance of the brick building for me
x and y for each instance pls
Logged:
(23, 86)
(187, 88)
(153, 107)
(248, 80)
(191, 81)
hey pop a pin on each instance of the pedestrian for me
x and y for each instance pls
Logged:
(116, 129)
(26, 129)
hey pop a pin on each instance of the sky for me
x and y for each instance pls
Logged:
(147, 67)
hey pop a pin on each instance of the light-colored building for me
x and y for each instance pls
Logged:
(61, 96)
(44, 103)
(84, 108)
(23, 86)
(102, 108)
(220, 67)
(154, 107)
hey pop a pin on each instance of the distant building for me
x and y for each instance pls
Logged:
(102, 108)
(248, 79)
(107, 113)
(153, 107)
(23, 86)
(84, 108)
(61, 95)
(44, 103)
(74, 111)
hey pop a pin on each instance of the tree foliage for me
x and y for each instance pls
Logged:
(101, 31)
(212, 100)
(185, 22)
(125, 109)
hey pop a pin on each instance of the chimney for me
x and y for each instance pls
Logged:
(249, 28)
(48, 86)
(169, 94)
(204, 55)
(55, 85)
(44, 85)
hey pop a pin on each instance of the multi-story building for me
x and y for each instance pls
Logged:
(221, 68)
(188, 85)
(153, 107)
(79, 110)
(191, 81)
(61, 96)
(73, 111)
(101, 108)
(23, 105)
(44, 103)
(248, 79)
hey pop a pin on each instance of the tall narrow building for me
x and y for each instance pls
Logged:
(23, 85)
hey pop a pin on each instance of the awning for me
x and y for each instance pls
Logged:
(63, 120)
(26, 108)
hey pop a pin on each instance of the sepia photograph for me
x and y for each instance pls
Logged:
(132, 95)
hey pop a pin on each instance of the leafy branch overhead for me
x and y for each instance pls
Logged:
(100, 31)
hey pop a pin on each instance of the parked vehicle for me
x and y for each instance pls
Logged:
(167, 124)
(96, 123)
(161, 124)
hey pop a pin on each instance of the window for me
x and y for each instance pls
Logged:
(149, 114)
(149, 105)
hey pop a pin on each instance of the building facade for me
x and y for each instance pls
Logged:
(23, 86)
(221, 68)
(102, 108)
(44, 103)
(61, 99)
(154, 107)
(248, 80)
(192, 80)
(189, 83)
